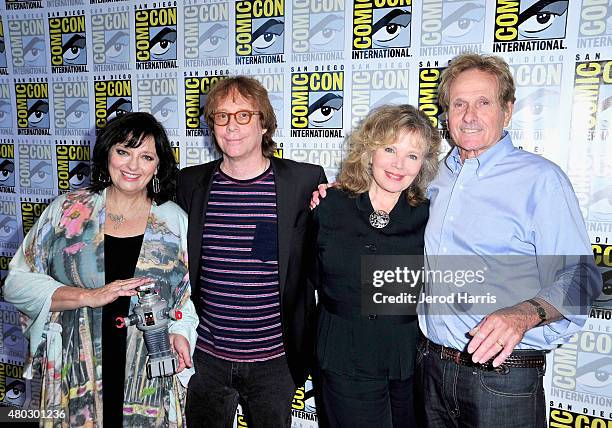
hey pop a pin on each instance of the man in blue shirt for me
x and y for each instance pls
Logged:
(515, 215)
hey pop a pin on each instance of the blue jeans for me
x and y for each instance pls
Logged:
(265, 390)
(453, 395)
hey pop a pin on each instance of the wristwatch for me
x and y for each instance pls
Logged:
(539, 309)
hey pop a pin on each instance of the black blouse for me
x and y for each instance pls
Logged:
(361, 346)
(120, 258)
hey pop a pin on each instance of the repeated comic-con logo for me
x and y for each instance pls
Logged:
(71, 106)
(529, 25)
(23, 4)
(5, 259)
(196, 89)
(35, 167)
(7, 165)
(157, 94)
(317, 100)
(155, 37)
(176, 151)
(538, 97)
(110, 34)
(6, 110)
(206, 29)
(73, 160)
(12, 385)
(450, 27)
(9, 234)
(592, 104)
(68, 42)
(381, 28)
(272, 78)
(32, 101)
(113, 97)
(317, 32)
(595, 24)
(31, 210)
(27, 37)
(373, 87)
(3, 69)
(12, 342)
(260, 31)
(303, 404)
(199, 152)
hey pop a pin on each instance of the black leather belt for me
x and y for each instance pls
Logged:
(350, 312)
(524, 359)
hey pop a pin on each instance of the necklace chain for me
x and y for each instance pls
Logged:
(118, 219)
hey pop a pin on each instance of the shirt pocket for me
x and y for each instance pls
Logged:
(265, 242)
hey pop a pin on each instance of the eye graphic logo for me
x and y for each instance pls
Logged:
(9, 235)
(68, 44)
(530, 24)
(158, 96)
(260, 28)
(453, 22)
(14, 389)
(206, 29)
(32, 100)
(381, 29)
(317, 27)
(71, 107)
(6, 116)
(27, 39)
(3, 69)
(110, 40)
(73, 167)
(112, 98)
(7, 168)
(155, 38)
(373, 88)
(35, 168)
(316, 103)
(31, 211)
(196, 89)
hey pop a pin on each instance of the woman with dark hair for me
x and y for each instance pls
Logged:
(378, 207)
(83, 264)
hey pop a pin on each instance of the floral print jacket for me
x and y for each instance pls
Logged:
(66, 247)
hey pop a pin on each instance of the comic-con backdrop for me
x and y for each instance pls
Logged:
(68, 66)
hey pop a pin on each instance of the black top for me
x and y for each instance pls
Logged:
(120, 257)
(360, 346)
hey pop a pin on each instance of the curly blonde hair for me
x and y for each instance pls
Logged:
(379, 129)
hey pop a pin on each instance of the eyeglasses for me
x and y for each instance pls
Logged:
(242, 117)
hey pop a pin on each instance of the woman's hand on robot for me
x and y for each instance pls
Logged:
(180, 346)
(99, 297)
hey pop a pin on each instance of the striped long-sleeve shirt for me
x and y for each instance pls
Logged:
(241, 318)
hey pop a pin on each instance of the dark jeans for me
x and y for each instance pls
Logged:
(452, 395)
(265, 389)
(357, 402)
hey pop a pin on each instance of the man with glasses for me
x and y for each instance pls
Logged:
(248, 232)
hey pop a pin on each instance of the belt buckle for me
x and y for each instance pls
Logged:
(457, 358)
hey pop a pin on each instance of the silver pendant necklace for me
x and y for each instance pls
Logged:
(379, 219)
(118, 219)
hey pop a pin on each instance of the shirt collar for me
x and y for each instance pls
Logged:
(486, 161)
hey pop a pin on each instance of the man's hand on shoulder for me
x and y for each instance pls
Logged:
(319, 193)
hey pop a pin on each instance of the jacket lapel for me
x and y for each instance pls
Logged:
(197, 215)
(285, 214)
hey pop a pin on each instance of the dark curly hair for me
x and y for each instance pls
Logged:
(131, 129)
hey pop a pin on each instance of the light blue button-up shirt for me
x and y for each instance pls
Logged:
(508, 202)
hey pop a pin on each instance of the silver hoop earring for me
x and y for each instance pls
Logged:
(156, 186)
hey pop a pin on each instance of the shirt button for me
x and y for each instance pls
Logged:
(444, 250)
(461, 187)
(371, 247)
(451, 218)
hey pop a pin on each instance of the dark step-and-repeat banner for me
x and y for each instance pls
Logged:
(68, 66)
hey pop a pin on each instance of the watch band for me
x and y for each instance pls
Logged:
(539, 309)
